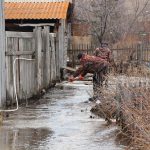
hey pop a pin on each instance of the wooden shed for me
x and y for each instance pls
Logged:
(25, 16)
(39, 31)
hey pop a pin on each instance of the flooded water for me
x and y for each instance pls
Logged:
(60, 120)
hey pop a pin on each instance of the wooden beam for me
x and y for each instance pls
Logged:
(36, 25)
(19, 34)
(69, 68)
(18, 53)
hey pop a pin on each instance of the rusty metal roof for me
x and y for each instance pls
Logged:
(41, 10)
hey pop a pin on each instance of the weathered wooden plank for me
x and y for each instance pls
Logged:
(46, 56)
(15, 68)
(23, 67)
(27, 45)
(21, 94)
(63, 41)
(19, 34)
(34, 70)
(26, 68)
(18, 53)
(9, 73)
(2, 56)
(30, 75)
(61, 44)
(12, 43)
(36, 25)
(30, 91)
(38, 56)
(53, 61)
(57, 56)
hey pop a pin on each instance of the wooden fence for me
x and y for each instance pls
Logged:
(139, 53)
(73, 52)
(31, 76)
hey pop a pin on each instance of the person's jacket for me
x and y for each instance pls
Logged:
(90, 64)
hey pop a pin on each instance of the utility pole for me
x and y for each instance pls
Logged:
(2, 56)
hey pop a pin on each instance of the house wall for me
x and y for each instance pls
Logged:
(81, 34)
(81, 40)
(2, 57)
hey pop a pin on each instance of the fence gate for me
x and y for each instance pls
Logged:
(31, 76)
(20, 45)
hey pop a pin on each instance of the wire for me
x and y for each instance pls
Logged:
(14, 84)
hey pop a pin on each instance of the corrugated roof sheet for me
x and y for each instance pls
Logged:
(41, 10)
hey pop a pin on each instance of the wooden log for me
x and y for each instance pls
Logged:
(69, 68)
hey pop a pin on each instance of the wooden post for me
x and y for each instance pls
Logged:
(2, 56)
(57, 57)
(38, 57)
(53, 64)
(46, 58)
(62, 44)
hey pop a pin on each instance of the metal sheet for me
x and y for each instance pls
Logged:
(41, 10)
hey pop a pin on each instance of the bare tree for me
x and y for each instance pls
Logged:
(102, 17)
(110, 20)
(138, 11)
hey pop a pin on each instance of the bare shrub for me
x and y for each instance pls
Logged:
(107, 107)
(136, 116)
(127, 99)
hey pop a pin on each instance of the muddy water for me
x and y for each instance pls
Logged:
(58, 121)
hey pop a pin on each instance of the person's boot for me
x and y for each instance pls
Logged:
(109, 122)
(93, 98)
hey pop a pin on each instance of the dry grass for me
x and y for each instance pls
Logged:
(107, 107)
(136, 117)
(128, 100)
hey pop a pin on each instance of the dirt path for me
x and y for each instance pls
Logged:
(58, 121)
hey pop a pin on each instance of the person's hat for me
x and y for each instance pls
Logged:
(80, 55)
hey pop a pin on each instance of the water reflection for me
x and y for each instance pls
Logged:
(22, 139)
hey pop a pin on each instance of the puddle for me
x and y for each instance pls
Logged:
(60, 120)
